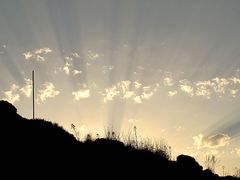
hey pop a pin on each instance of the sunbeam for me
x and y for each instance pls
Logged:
(170, 67)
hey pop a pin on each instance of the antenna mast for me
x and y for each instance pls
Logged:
(33, 89)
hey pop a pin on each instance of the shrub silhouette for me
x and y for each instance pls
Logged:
(46, 150)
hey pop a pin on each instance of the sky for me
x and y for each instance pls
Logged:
(169, 67)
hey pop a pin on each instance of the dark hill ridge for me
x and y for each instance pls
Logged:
(42, 148)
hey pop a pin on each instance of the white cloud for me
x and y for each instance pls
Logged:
(72, 56)
(146, 95)
(145, 88)
(233, 92)
(134, 91)
(237, 150)
(215, 141)
(28, 55)
(128, 94)
(27, 88)
(49, 91)
(92, 55)
(44, 50)
(12, 95)
(172, 93)
(75, 55)
(37, 54)
(168, 81)
(220, 85)
(76, 72)
(110, 93)
(66, 69)
(185, 86)
(137, 99)
(203, 88)
(68, 58)
(204, 83)
(124, 86)
(235, 80)
(39, 58)
(81, 94)
(148, 92)
(137, 84)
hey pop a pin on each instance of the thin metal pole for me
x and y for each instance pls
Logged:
(33, 94)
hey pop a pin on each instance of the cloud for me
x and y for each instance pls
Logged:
(68, 67)
(75, 55)
(138, 99)
(110, 93)
(130, 90)
(147, 95)
(124, 86)
(185, 86)
(93, 55)
(27, 88)
(235, 80)
(215, 141)
(168, 81)
(28, 55)
(81, 93)
(121, 88)
(48, 91)
(72, 56)
(220, 85)
(44, 50)
(214, 87)
(172, 93)
(128, 94)
(203, 88)
(237, 150)
(233, 92)
(37, 55)
(137, 84)
(12, 95)
(76, 72)
(39, 58)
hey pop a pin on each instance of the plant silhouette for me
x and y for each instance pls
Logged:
(46, 150)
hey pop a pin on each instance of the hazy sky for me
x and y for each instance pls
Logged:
(169, 67)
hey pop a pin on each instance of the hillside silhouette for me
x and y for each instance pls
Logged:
(38, 148)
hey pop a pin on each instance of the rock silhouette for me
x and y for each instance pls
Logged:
(45, 150)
